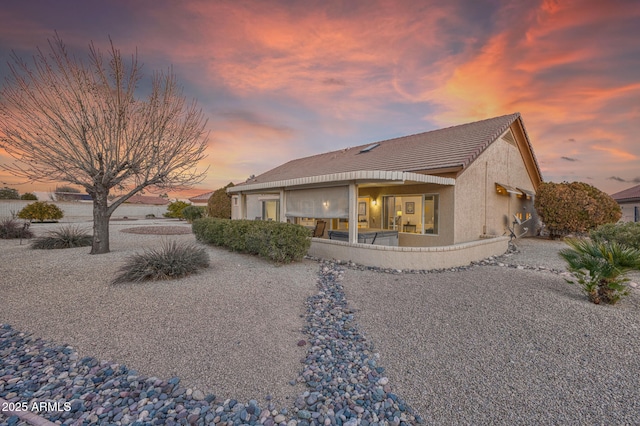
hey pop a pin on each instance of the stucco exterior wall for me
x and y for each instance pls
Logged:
(423, 258)
(629, 211)
(480, 209)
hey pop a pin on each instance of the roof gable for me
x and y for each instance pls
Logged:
(449, 148)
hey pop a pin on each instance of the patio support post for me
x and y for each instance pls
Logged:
(353, 213)
(243, 205)
(283, 205)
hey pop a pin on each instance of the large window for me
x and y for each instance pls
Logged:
(414, 214)
(271, 210)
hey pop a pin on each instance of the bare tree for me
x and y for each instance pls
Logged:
(63, 119)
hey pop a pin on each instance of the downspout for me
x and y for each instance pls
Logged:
(486, 195)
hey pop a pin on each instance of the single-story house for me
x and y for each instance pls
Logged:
(436, 199)
(147, 199)
(629, 201)
(202, 199)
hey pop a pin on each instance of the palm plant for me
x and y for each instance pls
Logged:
(601, 267)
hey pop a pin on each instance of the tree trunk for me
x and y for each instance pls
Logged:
(101, 216)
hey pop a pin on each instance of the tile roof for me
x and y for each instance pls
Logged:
(202, 197)
(627, 194)
(455, 146)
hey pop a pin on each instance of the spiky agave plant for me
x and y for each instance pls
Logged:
(601, 268)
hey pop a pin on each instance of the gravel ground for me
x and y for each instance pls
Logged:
(497, 345)
(231, 330)
(484, 345)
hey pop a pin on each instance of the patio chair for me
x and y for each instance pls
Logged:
(318, 231)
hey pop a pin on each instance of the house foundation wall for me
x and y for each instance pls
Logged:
(418, 258)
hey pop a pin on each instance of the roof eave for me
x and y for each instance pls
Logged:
(360, 176)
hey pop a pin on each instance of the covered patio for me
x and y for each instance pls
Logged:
(363, 206)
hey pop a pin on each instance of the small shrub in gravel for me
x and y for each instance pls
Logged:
(627, 234)
(41, 211)
(11, 228)
(172, 260)
(67, 237)
(600, 268)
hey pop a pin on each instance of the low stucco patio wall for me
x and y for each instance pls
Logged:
(410, 257)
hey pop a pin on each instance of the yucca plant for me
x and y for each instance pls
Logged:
(171, 260)
(67, 237)
(601, 268)
(11, 228)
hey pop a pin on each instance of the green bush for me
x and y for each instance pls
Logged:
(174, 210)
(191, 213)
(170, 261)
(210, 230)
(574, 208)
(41, 211)
(28, 196)
(234, 234)
(600, 268)
(11, 228)
(67, 237)
(627, 234)
(7, 193)
(279, 242)
(219, 204)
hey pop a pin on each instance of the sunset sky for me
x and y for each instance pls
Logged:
(283, 79)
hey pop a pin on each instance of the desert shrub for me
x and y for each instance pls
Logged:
(67, 237)
(277, 241)
(40, 211)
(219, 204)
(174, 210)
(627, 234)
(28, 196)
(191, 213)
(172, 260)
(600, 268)
(577, 207)
(7, 193)
(11, 228)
